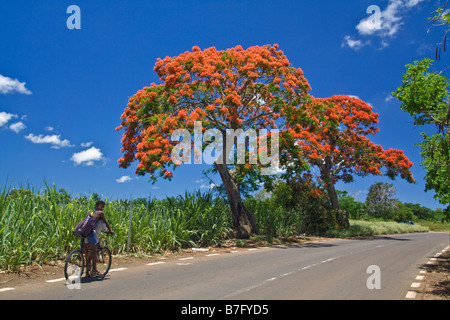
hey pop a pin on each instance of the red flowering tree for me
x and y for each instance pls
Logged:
(224, 90)
(334, 138)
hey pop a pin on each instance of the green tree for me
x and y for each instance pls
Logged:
(441, 19)
(420, 211)
(304, 199)
(425, 96)
(228, 92)
(379, 200)
(355, 209)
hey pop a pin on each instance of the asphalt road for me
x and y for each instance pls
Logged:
(335, 269)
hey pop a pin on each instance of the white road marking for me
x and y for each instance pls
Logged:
(155, 263)
(6, 289)
(415, 284)
(55, 280)
(411, 295)
(275, 278)
(188, 258)
(118, 269)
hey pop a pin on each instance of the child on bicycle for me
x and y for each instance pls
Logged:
(92, 238)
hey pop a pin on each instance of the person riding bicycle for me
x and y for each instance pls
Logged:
(93, 237)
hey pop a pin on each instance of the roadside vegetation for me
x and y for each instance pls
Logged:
(37, 226)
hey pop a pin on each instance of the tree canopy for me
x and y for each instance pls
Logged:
(234, 91)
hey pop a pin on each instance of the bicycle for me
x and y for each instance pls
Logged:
(76, 262)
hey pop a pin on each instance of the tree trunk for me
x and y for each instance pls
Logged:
(244, 221)
(342, 217)
(333, 196)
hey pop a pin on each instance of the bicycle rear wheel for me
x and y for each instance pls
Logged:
(104, 260)
(74, 266)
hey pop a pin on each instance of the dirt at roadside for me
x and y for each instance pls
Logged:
(436, 282)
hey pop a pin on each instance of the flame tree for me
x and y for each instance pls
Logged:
(333, 137)
(224, 90)
(256, 88)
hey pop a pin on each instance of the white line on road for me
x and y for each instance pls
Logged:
(275, 278)
(155, 263)
(411, 295)
(55, 280)
(188, 258)
(6, 289)
(118, 269)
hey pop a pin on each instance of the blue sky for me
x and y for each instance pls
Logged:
(62, 90)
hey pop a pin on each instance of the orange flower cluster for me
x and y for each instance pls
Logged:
(229, 89)
(255, 88)
(333, 136)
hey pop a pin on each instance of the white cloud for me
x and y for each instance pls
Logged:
(8, 85)
(50, 129)
(5, 117)
(381, 23)
(54, 140)
(389, 20)
(389, 98)
(353, 44)
(87, 157)
(206, 186)
(124, 179)
(17, 127)
(86, 144)
(203, 185)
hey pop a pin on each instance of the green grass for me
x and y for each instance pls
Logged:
(435, 225)
(371, 228)
(36, 228)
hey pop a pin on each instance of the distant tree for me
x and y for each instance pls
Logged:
(356, 209)
(21, 193)
(420, 211)
(380, 201)
(95, 197)
(304, 199)
(400, 212)
(60, 196)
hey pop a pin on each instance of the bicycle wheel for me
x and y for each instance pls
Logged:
(104, 260)
(73, 268)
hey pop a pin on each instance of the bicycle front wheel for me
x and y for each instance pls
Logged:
(104, 259)
(74, 266)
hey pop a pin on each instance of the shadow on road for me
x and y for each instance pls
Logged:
(93, 279)
(381, 238)
(304, 245)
